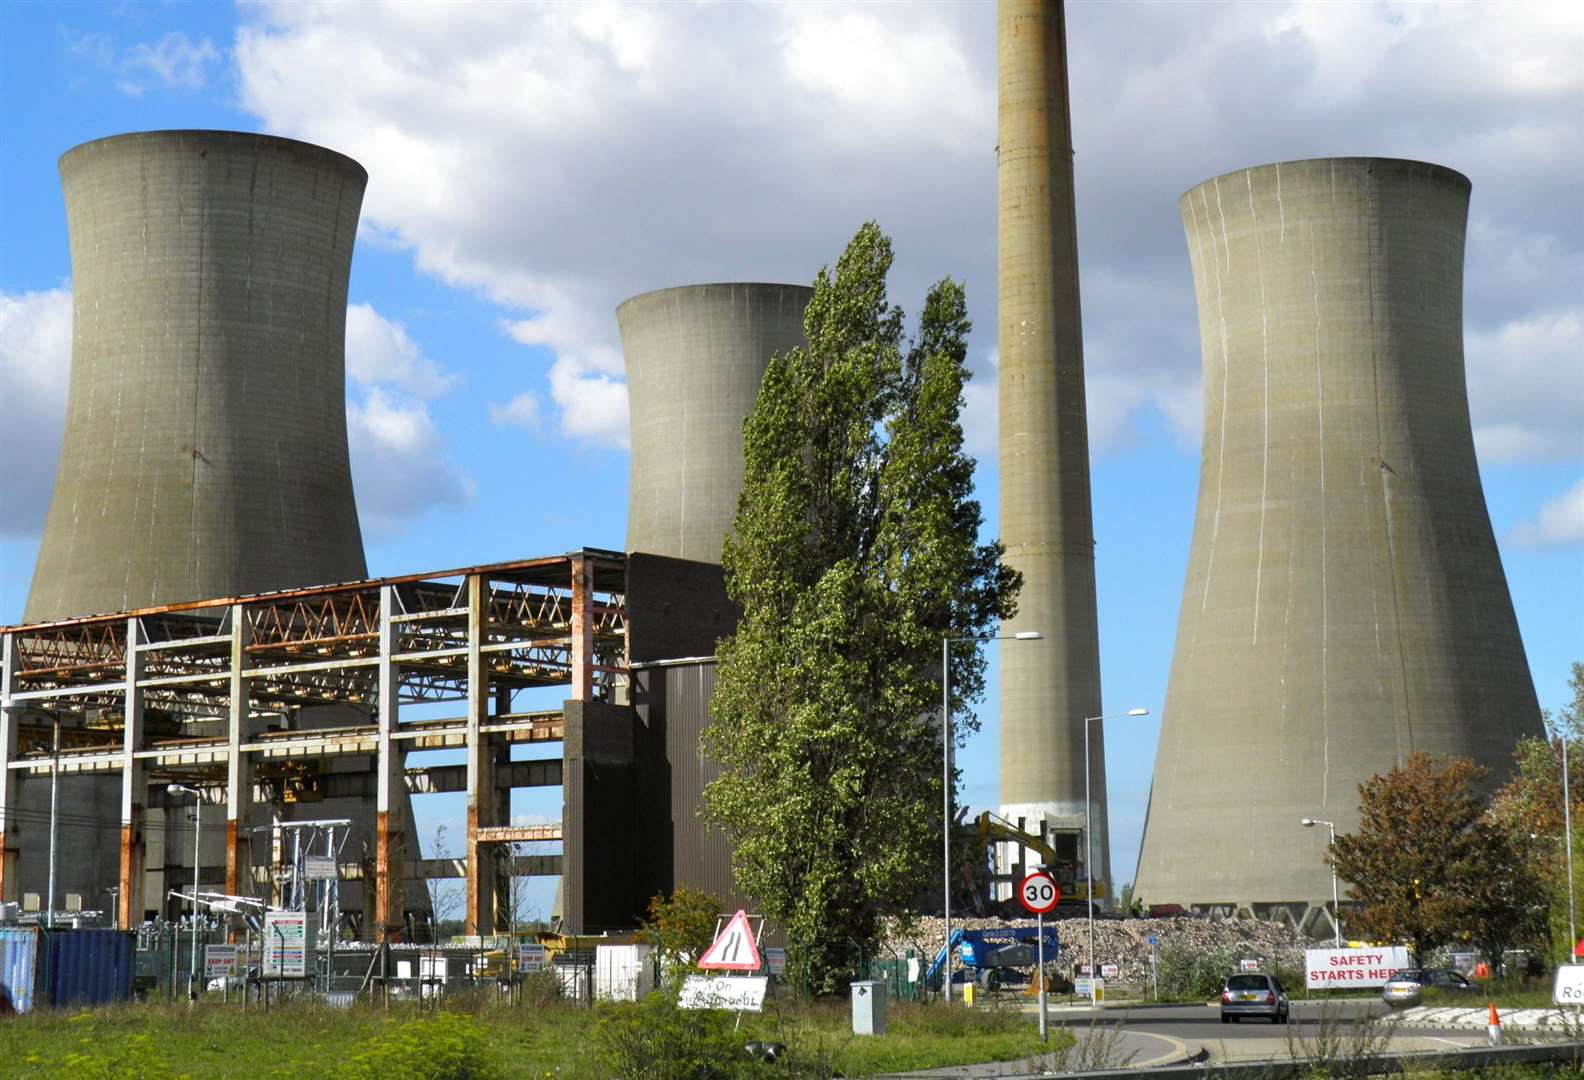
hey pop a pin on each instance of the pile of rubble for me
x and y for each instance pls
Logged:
(1125, 942)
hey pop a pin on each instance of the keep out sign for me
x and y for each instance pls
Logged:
(1346, 969)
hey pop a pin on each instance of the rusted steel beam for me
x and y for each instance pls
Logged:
(134, 788)
(479, 914)
(582, 630)
(511, 834)
(546, 569)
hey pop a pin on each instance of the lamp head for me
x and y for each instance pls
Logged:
(1138, 712)
(1308, 822)
(1027, 635)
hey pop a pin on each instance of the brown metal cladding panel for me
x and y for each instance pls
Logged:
(703, 856)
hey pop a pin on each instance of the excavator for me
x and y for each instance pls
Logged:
(1058, 851)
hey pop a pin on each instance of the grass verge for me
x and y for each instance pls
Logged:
(467, 1041)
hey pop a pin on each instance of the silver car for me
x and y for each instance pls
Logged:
(1254, 995)
(1407, 987)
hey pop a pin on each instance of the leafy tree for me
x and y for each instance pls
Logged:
(1530, 806)
(854, 552)
(682, 924)
(1431, 865)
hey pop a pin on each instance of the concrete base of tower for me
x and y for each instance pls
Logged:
(1058, 826)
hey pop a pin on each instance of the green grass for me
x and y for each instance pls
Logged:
(548, 1039)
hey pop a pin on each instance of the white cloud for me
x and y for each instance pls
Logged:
(175, 61)
(521, 411)
(557, 159)
(35, 365)
(378, 350)
(1560, 521)
(1526, 388)
(399, 466)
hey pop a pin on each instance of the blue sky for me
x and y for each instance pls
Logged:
(533, 165)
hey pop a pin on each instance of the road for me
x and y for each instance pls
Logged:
(1148, 1031)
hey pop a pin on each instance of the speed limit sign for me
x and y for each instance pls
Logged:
(1039, 893)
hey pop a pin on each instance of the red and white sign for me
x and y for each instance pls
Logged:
(1039, 893)
(1350, 969)
(734, 948)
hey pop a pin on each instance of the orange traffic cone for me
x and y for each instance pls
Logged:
(1494, 1026)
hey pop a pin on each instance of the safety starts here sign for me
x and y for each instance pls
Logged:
(1351, 969)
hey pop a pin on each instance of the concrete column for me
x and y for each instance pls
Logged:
(1048, 686)
(134, 786)
(390, 824)
(582, 630)
(481, 869)
(8, 745)
(239, 769)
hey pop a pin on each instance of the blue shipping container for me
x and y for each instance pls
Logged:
(89, 967)
(19, 955)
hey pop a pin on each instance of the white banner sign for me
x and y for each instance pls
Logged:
(1569, 986)
(319, 867)
(1110, 971)
(530, 957)
(220, 960)
(285, 944)
(1352, 969)
(740, 993)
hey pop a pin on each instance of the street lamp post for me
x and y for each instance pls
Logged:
(1094, 963)
(1567, 829)
(946, 785)
(1336, 903)
(192, 973)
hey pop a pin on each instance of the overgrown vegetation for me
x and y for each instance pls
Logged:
(1431, 867)
(854, 552)
(470, 1039)
(682, 925)
(1530, 808)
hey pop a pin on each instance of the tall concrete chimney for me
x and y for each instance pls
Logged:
(205, 451)
(1345, 603)
(1048, 687)
(696, 355)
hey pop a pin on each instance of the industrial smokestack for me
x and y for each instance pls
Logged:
(695, 356)
(1345, 603)
(1048, 687)
(205, 451)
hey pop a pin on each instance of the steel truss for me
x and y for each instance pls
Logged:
(209, 693)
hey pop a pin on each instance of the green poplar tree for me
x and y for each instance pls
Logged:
(854, 552)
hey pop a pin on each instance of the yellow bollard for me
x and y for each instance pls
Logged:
(968, 994)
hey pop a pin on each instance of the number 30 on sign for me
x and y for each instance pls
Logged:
(1039, 893)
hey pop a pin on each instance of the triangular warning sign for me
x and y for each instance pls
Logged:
(734, 948)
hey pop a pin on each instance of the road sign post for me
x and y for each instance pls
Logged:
(1039, 893)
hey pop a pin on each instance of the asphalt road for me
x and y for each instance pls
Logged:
(1149, 1029)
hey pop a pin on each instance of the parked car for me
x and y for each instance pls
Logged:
(1254, 995)
(1407, 987)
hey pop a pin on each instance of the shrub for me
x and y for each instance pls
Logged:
(445, 1046)
(1194, 972)
(653, 1039)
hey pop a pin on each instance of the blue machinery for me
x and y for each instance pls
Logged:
(995, 953)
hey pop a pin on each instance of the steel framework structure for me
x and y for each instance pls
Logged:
(141, 691)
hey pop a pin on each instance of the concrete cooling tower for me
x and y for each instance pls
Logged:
(1048, 686)
(205, 450)
(1345, 603)
(695, 357)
